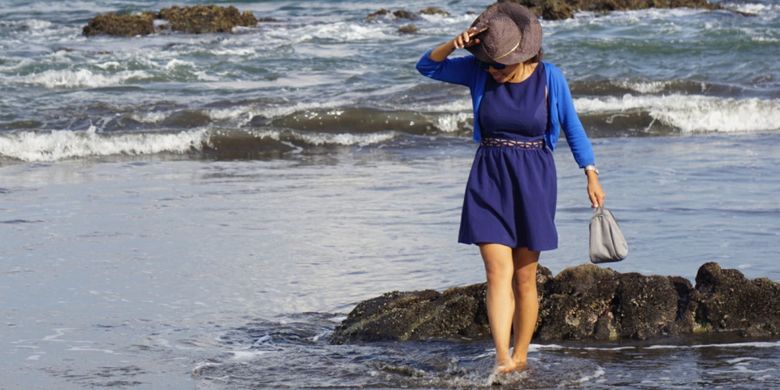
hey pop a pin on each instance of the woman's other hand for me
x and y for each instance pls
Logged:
(595, 193)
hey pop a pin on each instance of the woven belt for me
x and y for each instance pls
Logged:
(498, 142)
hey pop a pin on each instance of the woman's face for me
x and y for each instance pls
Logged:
(505, 74)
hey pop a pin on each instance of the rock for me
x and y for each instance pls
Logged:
(577, 299)
(407, 29)
(564, 9)
(186, 119)
(195, 19)
(398, 14)
(647, 306)
(586, 302)
(404, 14)
(378, 13)
(726, 301)
(549, 9)
(456, 313)
(434, 11)
(120, 25)
(200, 19)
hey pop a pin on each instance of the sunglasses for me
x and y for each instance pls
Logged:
(485, 65)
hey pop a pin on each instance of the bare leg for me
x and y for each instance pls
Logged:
(500, 300)
(526, 302)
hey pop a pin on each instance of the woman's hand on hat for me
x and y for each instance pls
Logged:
(465, 39)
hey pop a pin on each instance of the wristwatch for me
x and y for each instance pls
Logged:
(591, 167)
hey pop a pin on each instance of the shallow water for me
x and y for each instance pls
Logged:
(173, 272)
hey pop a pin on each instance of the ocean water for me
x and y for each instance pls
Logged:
(200, 211)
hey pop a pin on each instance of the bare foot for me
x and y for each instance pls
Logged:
(505, 367)
(520, 362)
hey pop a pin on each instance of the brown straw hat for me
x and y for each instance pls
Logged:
(513, 34)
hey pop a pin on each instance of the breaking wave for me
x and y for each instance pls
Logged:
(229, 144)
(693, 113)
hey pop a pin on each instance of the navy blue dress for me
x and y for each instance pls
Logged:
(512, 187)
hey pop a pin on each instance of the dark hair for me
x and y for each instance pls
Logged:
(537, 58)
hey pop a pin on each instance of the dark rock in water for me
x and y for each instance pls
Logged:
(564, 9)
(407, 29)
(398, 14)
(726, 301)
(378, 13)
(187, 119)
(404, 14)
(206, 18)
(390, 316)
(647, 306)
(549, 9)
(195, 19)
(120, 25)
(434, 11)
(456, 313)
(585, 302)
(577, 299)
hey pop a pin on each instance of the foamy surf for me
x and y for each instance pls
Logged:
(693, 113)
(64, 144)
(81, 78)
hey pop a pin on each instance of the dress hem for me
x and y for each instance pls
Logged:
(507, 244)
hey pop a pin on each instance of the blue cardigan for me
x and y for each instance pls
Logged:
(466, 71)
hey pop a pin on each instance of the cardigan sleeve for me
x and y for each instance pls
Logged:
(576, 137)
(458, 70)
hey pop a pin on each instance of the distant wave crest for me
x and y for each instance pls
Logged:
(693, 113)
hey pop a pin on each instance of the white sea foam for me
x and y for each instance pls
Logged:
(149, 117)
(337, 31)
(241, 114)
(644, 87)
(692, 113)
(233, 52)
(452, 122)
(323, 139)
(277, 111)
(37, 24)
(460, 105)
(754, 8)
(345, 139)
(755, 344)
(740, 360)
(177, 63)
(599, 372)
(80, 78)
(457, 19)
(63, 144)
(243, 356)
(108, 65)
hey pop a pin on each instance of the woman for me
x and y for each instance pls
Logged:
(520, 104)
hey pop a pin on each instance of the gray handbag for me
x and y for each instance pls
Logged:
(607, 243)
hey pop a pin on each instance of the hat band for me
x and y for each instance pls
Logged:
(507, 53)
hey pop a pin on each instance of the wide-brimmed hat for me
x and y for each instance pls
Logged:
(513, 34)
